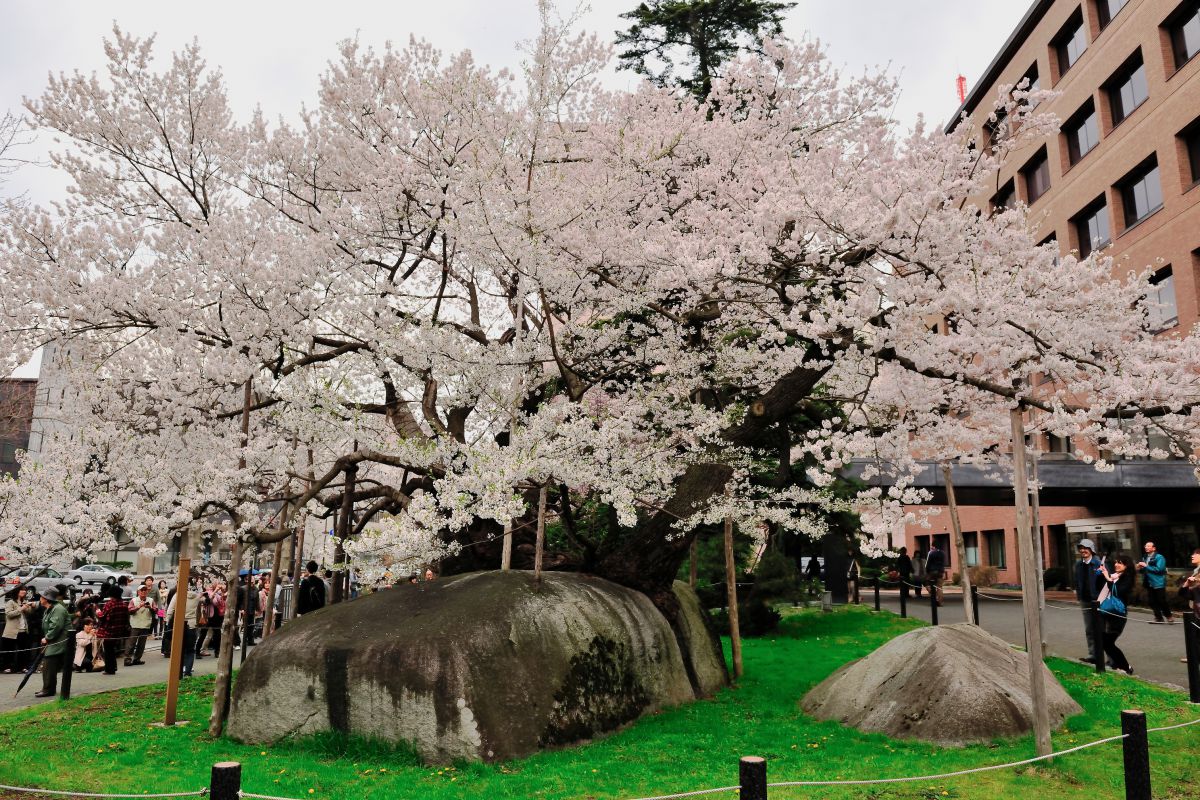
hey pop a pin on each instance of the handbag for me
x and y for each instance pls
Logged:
(1113, 605)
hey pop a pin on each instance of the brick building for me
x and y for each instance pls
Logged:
(1123, 178)
(16, 416)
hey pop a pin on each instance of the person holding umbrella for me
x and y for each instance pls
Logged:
(54, 638)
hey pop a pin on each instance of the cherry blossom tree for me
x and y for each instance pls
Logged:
(448, 286)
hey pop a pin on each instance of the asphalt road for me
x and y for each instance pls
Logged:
(155, 670)
(1153, 649)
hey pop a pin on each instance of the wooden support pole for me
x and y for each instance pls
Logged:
(735, 633)
(540, 543)
(960, 546)
(180, 621)
(692, 567)
(506, 548)
(1030, 594)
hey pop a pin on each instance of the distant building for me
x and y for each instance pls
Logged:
(16, 417)
(1122, 178)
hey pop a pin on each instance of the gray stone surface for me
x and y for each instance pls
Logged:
(699, 643)
(484, 666)
(951, 685)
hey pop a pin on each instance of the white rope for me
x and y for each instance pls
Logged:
(262, 796)
(950, 774)
(681, 794)
(31, 790)
(1173, 727)
(1001, 597)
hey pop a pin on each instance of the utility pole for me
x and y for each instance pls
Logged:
(1029, 587)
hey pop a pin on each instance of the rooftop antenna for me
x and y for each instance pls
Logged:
(961, 83)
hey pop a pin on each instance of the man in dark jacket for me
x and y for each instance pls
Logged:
(54, 637)
(311, 595)
(1088, 582)
(935, 570)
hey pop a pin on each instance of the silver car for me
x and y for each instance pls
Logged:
(45, 578)
(95, 574)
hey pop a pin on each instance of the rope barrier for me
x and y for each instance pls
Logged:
(100, 639)
(696, 793)
(1173, 727)
(262, 796)
(972, 771)
(31, 790)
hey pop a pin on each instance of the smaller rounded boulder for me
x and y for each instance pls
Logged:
(952, 685)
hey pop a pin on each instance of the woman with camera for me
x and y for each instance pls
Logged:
(1112, 607)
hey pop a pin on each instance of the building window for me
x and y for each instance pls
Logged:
(971, 545)
(1141, 192)
(1190, 138)
(8, 452)
(1107, 9)
(1059, 444)
(1082, 131)
(1037, 176)
(1091, 226)
(1162, 314)
(1127, 88)
(995, 548)
(1070, 42)
(1183, 26)
(1005, 198)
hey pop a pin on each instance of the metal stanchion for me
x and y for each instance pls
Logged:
(68, 665)
(903, 598)
(975, 602)
(1098, 635)
(1191, 640)
(933, 605)
(876, 592)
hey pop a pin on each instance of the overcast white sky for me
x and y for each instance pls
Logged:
(272, 52)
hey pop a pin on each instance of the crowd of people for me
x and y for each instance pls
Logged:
(114, 624)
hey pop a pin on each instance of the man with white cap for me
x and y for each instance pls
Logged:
(1087, 588)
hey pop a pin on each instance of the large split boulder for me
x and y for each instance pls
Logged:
(484, 666)
(950, 684)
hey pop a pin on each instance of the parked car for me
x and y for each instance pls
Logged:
(96, 574)
(45, 578)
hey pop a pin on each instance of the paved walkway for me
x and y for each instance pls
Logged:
(155, 670)
(1153, 650)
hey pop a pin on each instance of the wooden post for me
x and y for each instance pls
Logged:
(903, 598)
(506, 548)
(1029, 594)
(735, 633)
(1035, 510)
(540, 544)
(272, 590)
(345, 523)
(225, 782)
(933, 606)
(1098, 637)
(1136, 751)
(248, 611)
(876, 592)
(182, 588)
(975, 603)
(1191, 645)
(752, 778)
(960, 546)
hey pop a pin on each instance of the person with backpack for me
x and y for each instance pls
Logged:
(311, 596)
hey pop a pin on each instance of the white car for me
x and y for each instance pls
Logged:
(96, 574)
(43, 578)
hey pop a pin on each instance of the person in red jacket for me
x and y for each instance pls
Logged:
(113, 629)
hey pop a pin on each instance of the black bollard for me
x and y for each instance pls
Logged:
(1098, 630)
(975, 603)
(1191, 641)
(68, 666)
(752, 778)
(226, 781)
(933, 605)
(857, 599)
(1137, 755)
(876, 592)
(903, 599)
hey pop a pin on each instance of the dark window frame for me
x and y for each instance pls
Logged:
(1104, 13)
(1097, 209)
(1164, 277)
(1038, 164)
(1185, 18)
(1190, 138)
(1073, 32)
(1005, 197)
(1078, 122)
(1129, 185)
(1132, 75)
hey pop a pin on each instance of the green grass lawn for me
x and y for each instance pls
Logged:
(105, 742)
